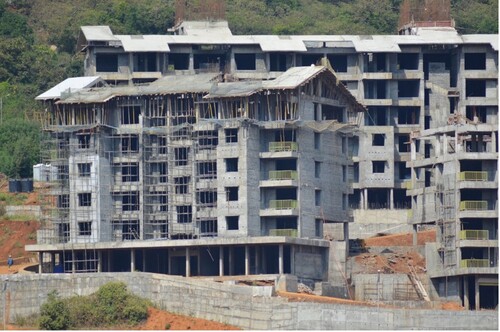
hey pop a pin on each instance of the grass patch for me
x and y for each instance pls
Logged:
(13, 198)
(19, 217)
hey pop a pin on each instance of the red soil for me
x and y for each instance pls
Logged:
(404, 239)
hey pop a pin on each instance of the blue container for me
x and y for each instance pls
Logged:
(14, 186)
(26, 185)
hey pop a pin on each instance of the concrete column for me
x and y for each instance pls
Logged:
(366, 199)
(257, 260)
(191, 61)
(264, 261)
(132, 260)
(413, 150)
(198, 265)
(99, 261)
(247, 260)
(292, 259)
(414, 233)
(493, 141)
(221, 261)
(362, 199)
(466, 292)
(130, 63)
(143, 260)
(169, 262)
(52, 261)
(73, 263)
(231, 262)
(391, 198)
(40, 262)
(346, 238)
(188, 266)
(280, 259)
(476, 291)
(109, 260)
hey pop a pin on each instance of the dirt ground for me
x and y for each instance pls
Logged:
(14, 235)
(404, 239)
(391, 262)
(162, 320)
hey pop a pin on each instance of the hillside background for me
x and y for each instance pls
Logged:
(38, 38)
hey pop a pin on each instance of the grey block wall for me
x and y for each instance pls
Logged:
(244, 306)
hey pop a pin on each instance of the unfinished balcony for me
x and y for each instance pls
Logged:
(280, 207)
(474, 263)
(290, 232)
(287, 178)
(284, 149)
(477, 209)
(476, 180)
(476, 238)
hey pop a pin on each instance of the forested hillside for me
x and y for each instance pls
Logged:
(38, 37)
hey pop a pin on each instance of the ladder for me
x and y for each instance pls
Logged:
(419, 288)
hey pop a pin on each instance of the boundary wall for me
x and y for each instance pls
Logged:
(243, 306)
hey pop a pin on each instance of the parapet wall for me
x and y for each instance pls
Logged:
(244, 306)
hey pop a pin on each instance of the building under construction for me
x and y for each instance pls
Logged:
(207, 153)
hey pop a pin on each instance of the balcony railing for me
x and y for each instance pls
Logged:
(474, 263)
(282, 175)
(283, 232)
(473, 205)
(473, 176)
(283, 146)
(284, 204)
(474, 234)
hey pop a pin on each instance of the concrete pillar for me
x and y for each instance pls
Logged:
(132, 260)
(257, 260)
(362, 199)
(366, 199)
(109, 260)
(247, 260)
(466, 292)
(413, 150)
(221, 261)
(52, 261)
(99, 261)
(391, 198)
(73, 263)
(231, 262)
(346, 238)
(143, 260)
(40, 262)
(414, 233)
(264, 260)
(188, 266)
(292, 259)
(476, 291)
(169, 262)
(198, 265)
(280, 259)
(191, 61)
(493, 142)
(130, 63)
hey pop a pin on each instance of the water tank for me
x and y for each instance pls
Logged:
(26, 185)
(14, 186)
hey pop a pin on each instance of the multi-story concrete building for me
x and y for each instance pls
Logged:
(155, 153)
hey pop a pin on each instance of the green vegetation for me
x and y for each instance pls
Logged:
(112, 304)
(38, 44)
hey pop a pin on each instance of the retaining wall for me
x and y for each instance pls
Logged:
(244, 306)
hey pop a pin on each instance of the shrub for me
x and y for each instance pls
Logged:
(54, 314)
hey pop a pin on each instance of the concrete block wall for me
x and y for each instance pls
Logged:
(241, 306)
